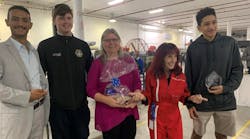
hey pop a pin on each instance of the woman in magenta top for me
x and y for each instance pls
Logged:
(113, 117)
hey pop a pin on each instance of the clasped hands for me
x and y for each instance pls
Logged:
(136, 97)
(129, 101)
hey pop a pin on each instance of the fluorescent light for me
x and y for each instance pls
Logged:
(180, 29)
(115, 2)
(150, 27)
(155, 11)
(161, 22)
(188, 31)
(112, 20)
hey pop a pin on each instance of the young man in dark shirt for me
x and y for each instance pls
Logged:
(213, 69)
(66, 60)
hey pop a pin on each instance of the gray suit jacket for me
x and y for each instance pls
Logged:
(16, 112)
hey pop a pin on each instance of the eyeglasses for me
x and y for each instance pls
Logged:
(111, 40)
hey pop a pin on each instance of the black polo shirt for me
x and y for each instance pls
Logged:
(66, 61)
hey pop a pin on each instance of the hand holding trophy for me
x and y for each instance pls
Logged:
(214, 83)
(38, 88)
(117, 91)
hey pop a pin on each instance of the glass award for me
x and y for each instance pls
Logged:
(118, 91)
(213, 79)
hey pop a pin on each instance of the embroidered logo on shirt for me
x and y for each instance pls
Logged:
(57, 54)
(177, 79)
(78, 53)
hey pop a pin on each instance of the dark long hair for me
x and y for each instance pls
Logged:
(157, 66)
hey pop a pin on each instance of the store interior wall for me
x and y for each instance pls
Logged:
(93, 28)
(41, 29)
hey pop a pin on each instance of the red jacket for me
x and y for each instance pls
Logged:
(167, 112)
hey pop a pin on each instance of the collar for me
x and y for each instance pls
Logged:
(20, 46)
(62, 34)
(203, 40)
(64, 37)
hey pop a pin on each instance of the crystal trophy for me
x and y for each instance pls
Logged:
(213, 79)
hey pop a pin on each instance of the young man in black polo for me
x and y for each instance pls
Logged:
(66, 60)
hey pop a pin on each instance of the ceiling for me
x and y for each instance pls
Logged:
(176, 14)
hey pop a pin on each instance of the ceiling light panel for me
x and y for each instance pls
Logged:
(156, 11)
(115, 2)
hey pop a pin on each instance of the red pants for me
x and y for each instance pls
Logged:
(167, 124)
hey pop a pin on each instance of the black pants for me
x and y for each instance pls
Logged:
(248, 70)
(125, 130)
(69, 124)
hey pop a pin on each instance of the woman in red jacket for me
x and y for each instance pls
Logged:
(165, 87)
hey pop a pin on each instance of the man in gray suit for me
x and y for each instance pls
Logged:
(24, 100)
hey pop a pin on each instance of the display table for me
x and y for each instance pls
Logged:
(242, 94)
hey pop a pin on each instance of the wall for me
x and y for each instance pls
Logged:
(41, 29)
(93, 28)
(157, 37)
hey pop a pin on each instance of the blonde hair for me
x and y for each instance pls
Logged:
(103, 55)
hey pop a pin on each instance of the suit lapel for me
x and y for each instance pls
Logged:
(17, 57)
